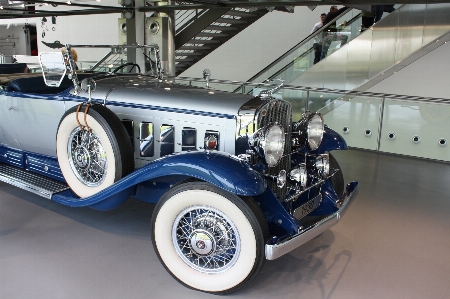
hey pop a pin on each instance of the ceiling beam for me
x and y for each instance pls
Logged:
(194, 4)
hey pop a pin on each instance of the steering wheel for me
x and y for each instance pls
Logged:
(127, 64)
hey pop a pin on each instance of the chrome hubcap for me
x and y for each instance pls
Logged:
(87, 157)
(206, 239)
(202, 242)
(82, 157)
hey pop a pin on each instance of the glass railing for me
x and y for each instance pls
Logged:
(300, 58)
(389, 123)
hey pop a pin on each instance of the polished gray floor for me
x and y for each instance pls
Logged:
(393, 243)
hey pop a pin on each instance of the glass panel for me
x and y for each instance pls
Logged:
(146, 140)
(429, 123)
(53, 68)
(292, 65)
(189, 139)
(356, 120)
(167, 139)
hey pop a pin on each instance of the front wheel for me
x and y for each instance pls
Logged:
(208, 239)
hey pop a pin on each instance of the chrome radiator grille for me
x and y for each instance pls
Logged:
(280, 112)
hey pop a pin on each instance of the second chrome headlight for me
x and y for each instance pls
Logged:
(315, 131)
(270, 141)
(309, 131)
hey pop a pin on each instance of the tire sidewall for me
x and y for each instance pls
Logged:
(191, 194)
(337, 181)
(97, 124)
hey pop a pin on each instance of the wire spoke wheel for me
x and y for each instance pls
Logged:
(87, 157)
(206, 239)
(93, 159)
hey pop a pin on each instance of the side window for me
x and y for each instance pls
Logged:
(146, 140)
(167, 139)
(189, 139)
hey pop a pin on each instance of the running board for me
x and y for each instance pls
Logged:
(30, 181)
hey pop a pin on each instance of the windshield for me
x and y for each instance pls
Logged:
(53, 68)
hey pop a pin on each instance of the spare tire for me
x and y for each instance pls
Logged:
(97, 154)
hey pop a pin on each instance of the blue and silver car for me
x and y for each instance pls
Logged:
(234, 178)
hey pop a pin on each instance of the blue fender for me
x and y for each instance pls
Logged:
(219, 169)
(331, 141)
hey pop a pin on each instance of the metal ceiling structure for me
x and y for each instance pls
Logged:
(40, 8)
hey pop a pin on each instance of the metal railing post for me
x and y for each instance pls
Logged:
(380, 124)
(307, 100)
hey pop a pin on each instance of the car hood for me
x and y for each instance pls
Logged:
(146, 90)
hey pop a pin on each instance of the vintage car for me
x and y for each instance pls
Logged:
(235, 180)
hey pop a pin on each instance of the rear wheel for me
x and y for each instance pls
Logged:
(207, 239)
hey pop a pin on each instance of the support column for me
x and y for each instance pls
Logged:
(136, 35)
(160, 30)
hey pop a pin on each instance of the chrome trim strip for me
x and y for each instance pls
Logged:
(277, 250)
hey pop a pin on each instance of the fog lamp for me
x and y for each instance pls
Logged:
(299, 175)
(323, 165)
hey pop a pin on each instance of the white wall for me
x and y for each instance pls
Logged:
(258, 45)
(428, 76)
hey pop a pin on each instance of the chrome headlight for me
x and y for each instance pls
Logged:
(309, 130)
(315, 131)
(271, 141)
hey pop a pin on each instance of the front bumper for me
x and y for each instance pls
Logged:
(276, 250)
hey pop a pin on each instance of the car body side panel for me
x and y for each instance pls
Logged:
(35, 119)
(219, 169)
(180, 119)
(9, 137)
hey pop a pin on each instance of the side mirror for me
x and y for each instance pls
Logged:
(53, 68)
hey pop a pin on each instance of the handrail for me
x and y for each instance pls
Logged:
(301, 43)
(347, 94)
(303, 54)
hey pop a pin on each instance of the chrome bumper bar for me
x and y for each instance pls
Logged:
(285, 246)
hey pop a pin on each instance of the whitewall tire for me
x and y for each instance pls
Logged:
(91, 161)
(207, 239)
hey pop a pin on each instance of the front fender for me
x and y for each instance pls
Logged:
(220, 169)
(331, 141)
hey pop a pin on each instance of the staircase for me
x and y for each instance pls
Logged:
(207, 30)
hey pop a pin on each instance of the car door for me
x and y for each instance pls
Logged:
(36, 118)
(8, 136)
